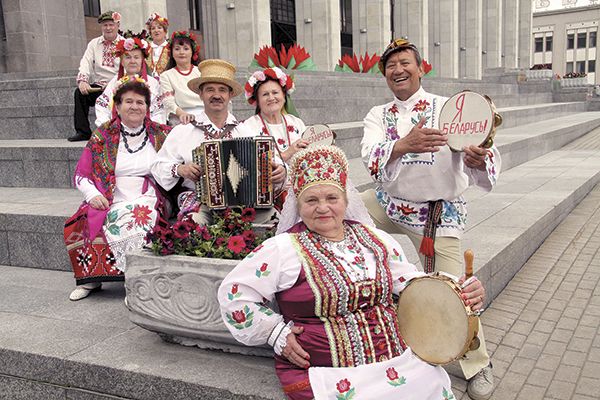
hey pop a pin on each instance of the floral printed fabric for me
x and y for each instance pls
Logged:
(402, 377)
(407, 184)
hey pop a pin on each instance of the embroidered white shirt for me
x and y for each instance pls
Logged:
(99, 64)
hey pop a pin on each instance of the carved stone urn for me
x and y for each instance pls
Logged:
(176, 297)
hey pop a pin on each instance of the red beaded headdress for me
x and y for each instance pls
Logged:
(319, 165)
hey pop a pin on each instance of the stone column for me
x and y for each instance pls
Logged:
(492, 33)
(43, 35)
(525, 35)
(134, 13)
(411, 20)
(370, 26)
(443, 34)
(321, 36)
(242, 30)
(470, 38)
(510, 43)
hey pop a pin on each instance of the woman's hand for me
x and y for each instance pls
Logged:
(278, 174)
(294, 148)
(189, 171)
(293, 351)
(475, 157)
(473, 294)
(99, 202)
(184, 118)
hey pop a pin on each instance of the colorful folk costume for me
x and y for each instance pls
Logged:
(339, 292)
(159, 54)
(115, 164)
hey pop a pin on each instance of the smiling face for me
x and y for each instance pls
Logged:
(403, 74)
(132, 61)
(322, 208)
(109, 29)
(158, 32)
(215, 96)
(182, 52)
(270, 98)
(132, 109)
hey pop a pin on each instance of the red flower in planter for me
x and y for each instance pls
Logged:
(236, 244)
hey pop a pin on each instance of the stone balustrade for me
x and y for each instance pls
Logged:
(538, 74)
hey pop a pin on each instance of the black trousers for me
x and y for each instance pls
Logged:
(83, 102)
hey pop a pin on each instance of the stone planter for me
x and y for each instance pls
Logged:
(538, 74)
(176, 297)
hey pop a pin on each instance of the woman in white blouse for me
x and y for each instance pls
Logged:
(269, 90)
(121, 202)
(159, 54)
(181, 104)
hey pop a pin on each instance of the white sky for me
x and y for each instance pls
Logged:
(546, 5)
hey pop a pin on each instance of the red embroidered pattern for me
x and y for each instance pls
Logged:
(108, 54)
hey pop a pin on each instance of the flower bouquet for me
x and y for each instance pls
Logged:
(366, 64)
(296, 57)
(231, 236)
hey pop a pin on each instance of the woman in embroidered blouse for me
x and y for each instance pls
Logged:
(269, 90)
(132, 52)
(121, 200)
(159, 54)
(181, 103)
(333, 281)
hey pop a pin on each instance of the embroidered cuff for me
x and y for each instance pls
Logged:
(278, 337)
(174, 173)
(82, 78)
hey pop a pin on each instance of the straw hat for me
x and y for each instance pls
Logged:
(216, 71)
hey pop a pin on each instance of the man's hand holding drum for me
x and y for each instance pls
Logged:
(420, 140)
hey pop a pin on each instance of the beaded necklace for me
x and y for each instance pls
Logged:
(184, 73)
(349, 245)
(134, 134)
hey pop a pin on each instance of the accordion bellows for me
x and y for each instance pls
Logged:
(235, 172)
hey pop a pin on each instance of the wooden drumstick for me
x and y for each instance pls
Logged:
(468, 263)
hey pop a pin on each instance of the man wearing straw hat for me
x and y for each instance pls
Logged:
(216, 86)
(420, 182)
(97, 67)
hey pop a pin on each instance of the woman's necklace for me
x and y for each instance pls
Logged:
(184, 73)
(349, 248)
(125, 134)
(267, 131)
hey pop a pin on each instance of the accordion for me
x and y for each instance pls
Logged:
(235, 172)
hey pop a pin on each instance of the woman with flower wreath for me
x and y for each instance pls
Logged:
(122, 202)
(159, 54)
(132, 52)
(182, 105)
(269, 91)
(332, 274)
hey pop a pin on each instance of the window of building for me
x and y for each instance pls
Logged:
(593, 39)
(346, 26)
(570, 41)
(91, 8)
(539, 44)
(283, 23)
(581, 40)
(591, 66)
(196, 15)
(569, 67)
(580, 65)
(548, 43)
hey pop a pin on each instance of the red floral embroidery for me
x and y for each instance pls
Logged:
(406, 210)
(239, 316)
(374, 167)
(343, 386)
(394, 109)
(263, 267)
(141, 215)
(391, 374)
(234, 288)
(421, 105)
(290, 128)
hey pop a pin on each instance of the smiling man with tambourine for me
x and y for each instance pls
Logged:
(421, 180)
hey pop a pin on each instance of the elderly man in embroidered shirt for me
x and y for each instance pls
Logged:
(216, 86)
(98, 65)
(420, 182)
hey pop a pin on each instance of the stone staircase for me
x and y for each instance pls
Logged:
(550, 145)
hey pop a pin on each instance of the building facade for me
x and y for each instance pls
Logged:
(565, 40)
(460, 38)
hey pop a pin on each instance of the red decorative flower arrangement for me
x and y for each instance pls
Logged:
(296, 57)
(231, 236)
(365, 64)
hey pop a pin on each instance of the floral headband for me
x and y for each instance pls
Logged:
(276, 73)
(319, 165)
(192, 38)
(155, 17)
(129, 79)
(131, 43)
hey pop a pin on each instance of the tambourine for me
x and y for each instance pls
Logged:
(318, 135)
(469, 118)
